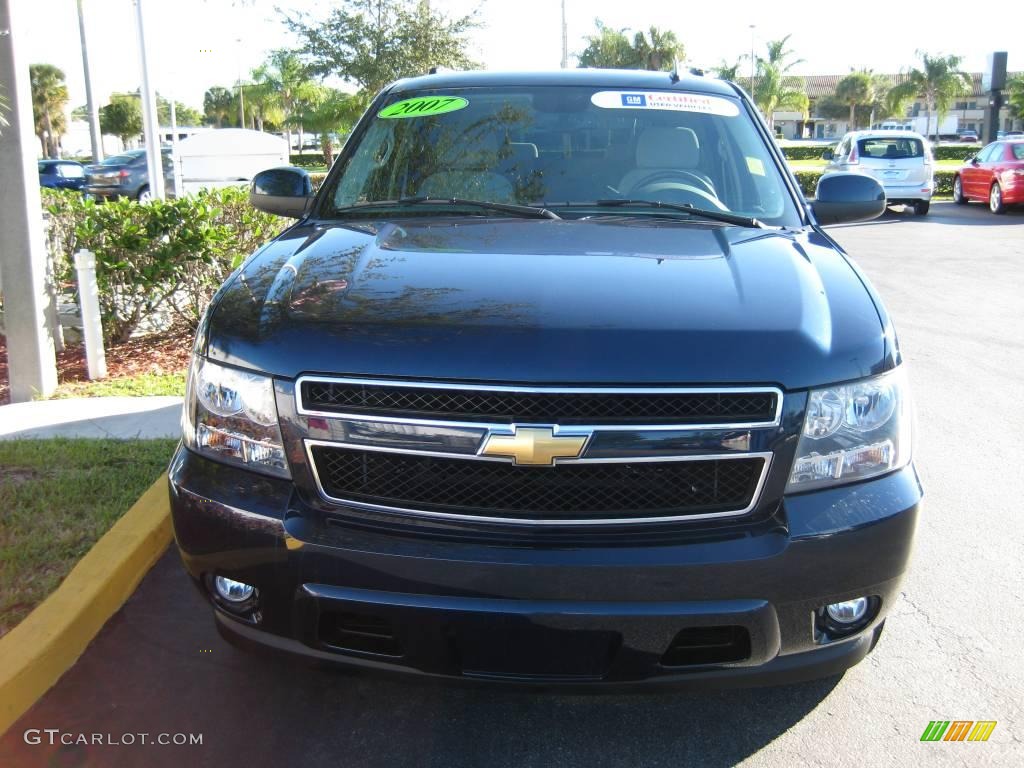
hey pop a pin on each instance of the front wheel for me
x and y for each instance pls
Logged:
(958, 191)
(921, 207)
(144, 195)
(995, 199)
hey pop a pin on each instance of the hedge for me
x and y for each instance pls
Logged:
(943, 182)
(164, 258)
(942, 152)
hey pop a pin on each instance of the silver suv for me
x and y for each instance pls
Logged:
(900, 160)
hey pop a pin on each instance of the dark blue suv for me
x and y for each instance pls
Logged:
(557, 379)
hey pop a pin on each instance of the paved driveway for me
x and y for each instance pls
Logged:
(954, 281)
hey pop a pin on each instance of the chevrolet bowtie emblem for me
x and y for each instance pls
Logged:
(534, 446)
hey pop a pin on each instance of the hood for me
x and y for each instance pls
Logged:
(608, 300)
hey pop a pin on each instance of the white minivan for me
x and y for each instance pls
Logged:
(900, 160)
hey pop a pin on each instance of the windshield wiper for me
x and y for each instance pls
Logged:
(528, 211)
(703, 213)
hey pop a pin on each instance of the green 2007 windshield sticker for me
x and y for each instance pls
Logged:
(424, 106)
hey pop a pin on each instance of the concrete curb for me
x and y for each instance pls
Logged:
(35, 654)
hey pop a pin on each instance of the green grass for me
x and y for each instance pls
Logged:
(57, 498)
(126, 386)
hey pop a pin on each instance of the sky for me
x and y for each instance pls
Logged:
(194, 44)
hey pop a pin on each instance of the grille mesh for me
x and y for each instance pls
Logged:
(568, 491)
(542, 407)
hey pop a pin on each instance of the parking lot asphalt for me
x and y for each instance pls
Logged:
(954, 283)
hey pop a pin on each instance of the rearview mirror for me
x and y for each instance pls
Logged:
(828, 154)
(283, 191)
(843, 197)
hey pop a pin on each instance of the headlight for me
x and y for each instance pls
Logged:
(231, 415)
(853, 432)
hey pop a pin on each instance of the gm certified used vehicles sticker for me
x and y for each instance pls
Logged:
(678, 102)
(423, 106)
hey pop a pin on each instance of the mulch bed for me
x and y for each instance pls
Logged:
(166, 352)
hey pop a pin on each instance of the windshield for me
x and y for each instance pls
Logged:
(556, 146)
(899, 148)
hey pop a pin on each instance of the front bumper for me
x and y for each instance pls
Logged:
(599, 615)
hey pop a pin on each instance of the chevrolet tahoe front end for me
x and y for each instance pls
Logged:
(511, 437)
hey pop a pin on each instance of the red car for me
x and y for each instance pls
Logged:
(995, 174)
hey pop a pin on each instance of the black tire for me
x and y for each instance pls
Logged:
(958, 191)
(921, 207)
(995, 199)
(143, 195)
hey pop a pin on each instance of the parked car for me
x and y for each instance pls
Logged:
(968, 137)
(61, 174)
(557, 379)
(900, 160)
(126, 175)
(995, 175)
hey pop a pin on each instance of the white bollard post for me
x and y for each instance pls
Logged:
(89, 303)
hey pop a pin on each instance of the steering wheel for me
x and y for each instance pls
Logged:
(683, 193)
(690, 179)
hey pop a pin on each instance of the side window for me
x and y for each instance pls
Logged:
(844, 148)
(71, 171)
(987, 153)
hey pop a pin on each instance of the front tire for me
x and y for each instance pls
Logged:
(958, 191)
(921, 207)
(144, 195)
(995, 199)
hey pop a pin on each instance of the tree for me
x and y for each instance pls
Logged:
(49, 98)
(854, 90)
(122, 117)
(726, 71)
(1015, 96)
(219, 105)
(183, 115)
(611, 49)
(937, 83)
(326, 112)
(371, 43)
(283, 83)
(774, 88)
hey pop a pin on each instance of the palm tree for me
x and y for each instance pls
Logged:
(327, 111)
(49, 98)
(218, 105)
(727, 71)
(287, 82)
(1015, 96)
(937, 83)
(611, 49)
(774, 88)
(659, 50)
(854, 90)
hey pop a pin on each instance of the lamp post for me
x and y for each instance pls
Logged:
(752, 28)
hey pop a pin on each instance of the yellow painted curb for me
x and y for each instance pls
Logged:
(49, 640)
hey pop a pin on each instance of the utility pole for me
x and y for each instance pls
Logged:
(565, 40)
(151, 126)
(31, 360)
(95, 136)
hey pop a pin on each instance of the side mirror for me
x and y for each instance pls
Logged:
(828, 154)
(282, 191)
(843, 197)
(973, 160)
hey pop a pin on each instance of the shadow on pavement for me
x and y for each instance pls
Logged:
(159, 667)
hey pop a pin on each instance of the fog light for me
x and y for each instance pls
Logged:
(846, 612)
(238, 591)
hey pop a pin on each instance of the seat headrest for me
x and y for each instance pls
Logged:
(663, 147)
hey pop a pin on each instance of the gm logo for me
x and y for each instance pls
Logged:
(634, 100)
(958, 730)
